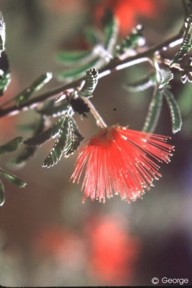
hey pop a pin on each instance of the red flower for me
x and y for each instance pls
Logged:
(122, 160)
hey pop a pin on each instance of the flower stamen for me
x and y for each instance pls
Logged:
(120, 161)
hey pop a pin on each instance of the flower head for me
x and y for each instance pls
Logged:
(120, 161)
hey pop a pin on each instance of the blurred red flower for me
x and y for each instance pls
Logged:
(127, 11)
(103, 249)
(122, 160)
(58, 242)
(113, 252)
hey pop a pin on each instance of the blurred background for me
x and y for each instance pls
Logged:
(47, 236)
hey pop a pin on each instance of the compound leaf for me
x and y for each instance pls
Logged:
(59, 145)
(174, 111)
(5, 76)
(111, 33)
(66, 143)
(2, 194)
(29, 151)
(77, 72)
(35, 86)
(2, 33)
(130, 43)
(165, 76)
(44, 136)
(55, 109)
(22, 158)
(13, 179)
(11, 145)
(91, 81)
(141, 85)
(72, 57)
(73, 138)
(186, 45)
(153, 112)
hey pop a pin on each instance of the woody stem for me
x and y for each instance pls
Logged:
(99, 120)
(114, 66)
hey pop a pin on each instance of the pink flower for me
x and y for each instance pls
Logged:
(120, 160)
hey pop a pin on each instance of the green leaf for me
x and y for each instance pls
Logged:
(77, 72)
(165, 76)
(184, 49)
(29, 151)
(174, 111)
(35, 86)
(11, 145)
(133, 41)
(13, 179)
(91, 81)
(59, 146)
(55, 109)
(22, 158)
(2, 33)
(4, 63)
(41, 81)
(153, 112)
(73, 138)
(93, 36)
(111, 34)
(41, 138)
(72, 57)
(4, 82)
(66, 143)
(141, 85)
(5, 76)
(2, 194)
(186, 45)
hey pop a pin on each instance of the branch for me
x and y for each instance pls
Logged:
(113, 66)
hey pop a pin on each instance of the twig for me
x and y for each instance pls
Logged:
(112, 67)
